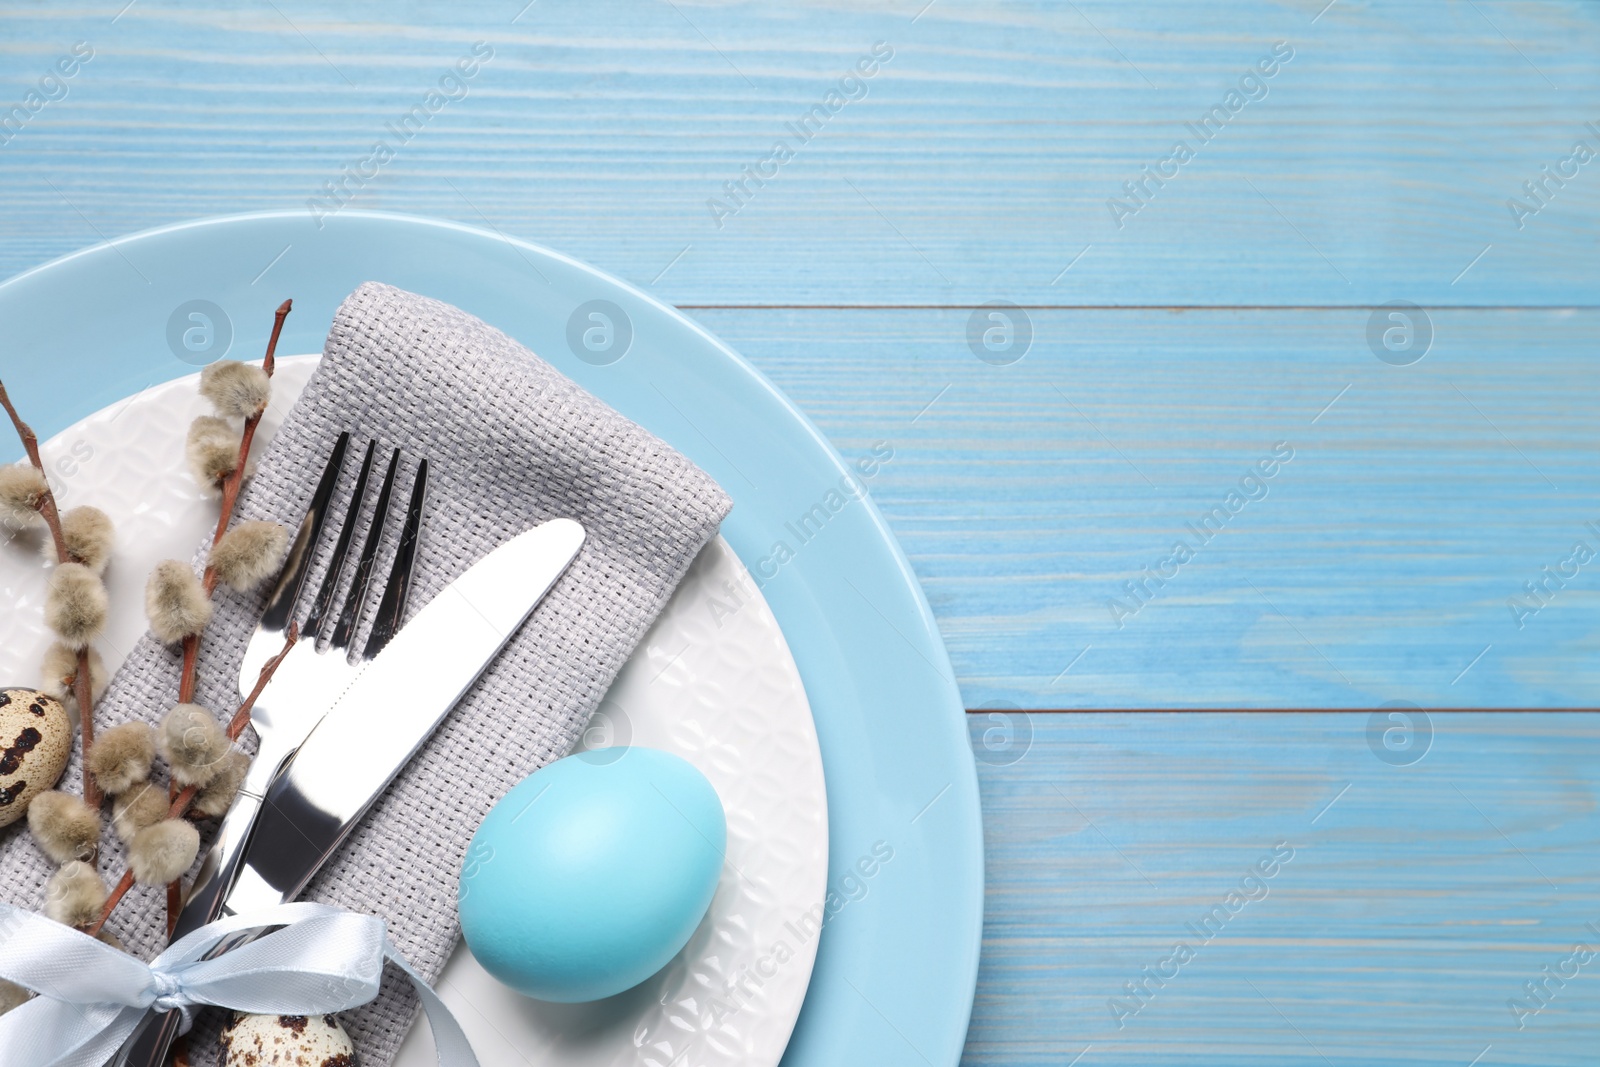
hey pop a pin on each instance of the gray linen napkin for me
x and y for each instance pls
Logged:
(510, 443)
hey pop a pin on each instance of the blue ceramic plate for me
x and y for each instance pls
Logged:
(898, 960)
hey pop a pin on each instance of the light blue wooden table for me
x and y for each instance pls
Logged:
(1182, 322)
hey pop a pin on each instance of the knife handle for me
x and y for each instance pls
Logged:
(152, 1039)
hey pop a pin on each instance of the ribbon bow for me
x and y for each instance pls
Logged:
(91, 996)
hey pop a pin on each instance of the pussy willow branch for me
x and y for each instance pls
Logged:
(230, 498)
(30, 444)
(174, 905)
(231, 485)
(181, 802)
(82, 686)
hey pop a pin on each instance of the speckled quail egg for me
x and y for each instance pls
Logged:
(35, 743)
(287, 1041)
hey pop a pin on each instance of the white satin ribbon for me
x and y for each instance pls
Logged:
(91, 996)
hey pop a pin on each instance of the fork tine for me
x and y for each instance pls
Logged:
(297, 563)
(341, 550)
(358, 589)
(393, 605)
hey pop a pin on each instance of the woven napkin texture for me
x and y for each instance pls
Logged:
(510, 442)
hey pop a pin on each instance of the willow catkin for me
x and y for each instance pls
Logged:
(193, 743)
(22, 486)
(89, 537)
(76, 605)
(60, 669)
(175, 602)
(212, 449)
(75, 894)
(13, 996)
(249, 554)
(236, 390)
(161, 853)
(64, 827)
(143, 805)
(120, 757)
(218, 795)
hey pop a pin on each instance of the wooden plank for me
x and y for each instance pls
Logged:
(1418, 901)
(978, 165)
(1378, 566)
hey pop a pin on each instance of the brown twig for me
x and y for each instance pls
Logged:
(82, 685)
(180, 803)
(231, 485)
(267, 361)
(124, 884)
(174, 904)
(83, 688)
(241, 718)
(47, 503)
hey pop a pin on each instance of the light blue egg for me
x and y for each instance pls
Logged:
(592, 873)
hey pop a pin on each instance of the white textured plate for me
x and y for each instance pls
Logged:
(712, 681)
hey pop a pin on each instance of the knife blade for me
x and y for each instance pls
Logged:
(388, 713)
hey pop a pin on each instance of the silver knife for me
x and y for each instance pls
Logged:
(376, 725)
(390, 711)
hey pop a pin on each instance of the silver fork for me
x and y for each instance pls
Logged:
(309, 678)
(305, 683)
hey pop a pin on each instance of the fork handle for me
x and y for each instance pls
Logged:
(151, 1040)
(221, 867)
